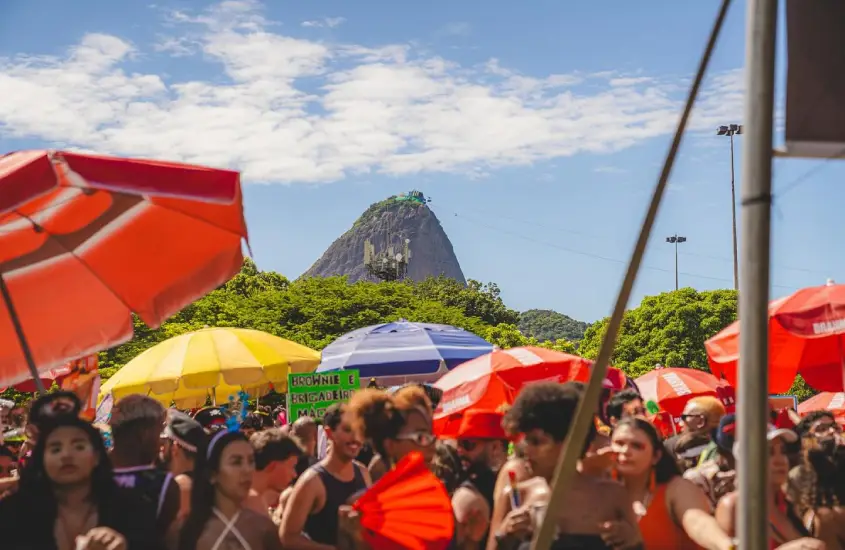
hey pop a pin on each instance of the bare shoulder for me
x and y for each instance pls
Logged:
(728, 502)
(534, 489)
(308, 483)
(308, 476)
(681, 484)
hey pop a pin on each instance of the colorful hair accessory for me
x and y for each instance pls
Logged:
(105, 433)
(652, 407)
(237, 411)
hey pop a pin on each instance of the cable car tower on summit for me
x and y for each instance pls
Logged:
(387, 265)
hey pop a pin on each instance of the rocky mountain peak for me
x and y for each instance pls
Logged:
(390, 223)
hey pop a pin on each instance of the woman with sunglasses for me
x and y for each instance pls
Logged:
(395, 424)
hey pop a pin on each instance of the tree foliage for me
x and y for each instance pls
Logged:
(315, 311)
(668, 329)
(545, 324)
(474, 300)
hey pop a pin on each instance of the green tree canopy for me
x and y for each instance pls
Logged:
(315, 311)
(668, 329)
(474, 300)
(545, 324)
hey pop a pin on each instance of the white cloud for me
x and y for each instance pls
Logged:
(609, 170)
(176, 46)
(630, 81)
(285, 109)
(329, 22)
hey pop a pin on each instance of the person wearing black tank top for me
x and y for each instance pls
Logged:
(310, 519)
(136, 423)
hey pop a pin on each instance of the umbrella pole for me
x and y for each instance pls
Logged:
(589, 402)
(756, 204)
(16, 322)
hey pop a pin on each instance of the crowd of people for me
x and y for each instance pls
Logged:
(157, 478)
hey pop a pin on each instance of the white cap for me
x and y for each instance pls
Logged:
(773, 433)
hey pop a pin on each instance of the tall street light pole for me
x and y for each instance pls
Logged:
(731, 131)
(675, 239)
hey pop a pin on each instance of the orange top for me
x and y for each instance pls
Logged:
(659, 530)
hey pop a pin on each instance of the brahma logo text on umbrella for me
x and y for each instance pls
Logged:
(677, 384)
(837, 402)
(826, 327)
(461, 401)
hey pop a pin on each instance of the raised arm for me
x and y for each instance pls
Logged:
(691, 511)
(303, 502)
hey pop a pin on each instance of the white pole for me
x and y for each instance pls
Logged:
(756, 201)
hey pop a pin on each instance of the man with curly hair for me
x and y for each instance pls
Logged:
(543, 414)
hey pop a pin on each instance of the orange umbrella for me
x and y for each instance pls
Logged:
(494, 379)
(671, 388)
(806, 332)
(86, 240)
(834, 402)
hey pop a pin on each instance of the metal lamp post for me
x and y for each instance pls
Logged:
(730, 131)
(675, 239)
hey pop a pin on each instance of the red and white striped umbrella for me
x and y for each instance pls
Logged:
(833, 402)
(494, 379)
(671, 388)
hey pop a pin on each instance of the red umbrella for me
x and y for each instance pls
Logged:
(834, 402)
(494, 379)
(671, 388)
(87, 240)
(806, 332)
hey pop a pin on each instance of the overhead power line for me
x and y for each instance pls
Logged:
(590, 254)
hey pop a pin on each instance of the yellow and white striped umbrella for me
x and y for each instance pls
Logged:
(186, 368)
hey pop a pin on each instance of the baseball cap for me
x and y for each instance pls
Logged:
(480, 424)
(772, 433)
(725, 435)
(184, 431)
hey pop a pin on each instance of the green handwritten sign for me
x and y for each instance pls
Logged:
(311, 394)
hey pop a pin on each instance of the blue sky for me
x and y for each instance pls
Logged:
(537, 129)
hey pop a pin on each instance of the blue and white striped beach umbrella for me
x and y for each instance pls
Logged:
(403, 351)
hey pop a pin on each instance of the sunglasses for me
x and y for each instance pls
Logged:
(690, 417)
(421, 439)
(824, 429)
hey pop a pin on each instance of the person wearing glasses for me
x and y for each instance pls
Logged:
(816, 485)
(483, 447)
(694, 444)
(395, 424)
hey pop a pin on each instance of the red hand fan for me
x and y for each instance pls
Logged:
(407, 509)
